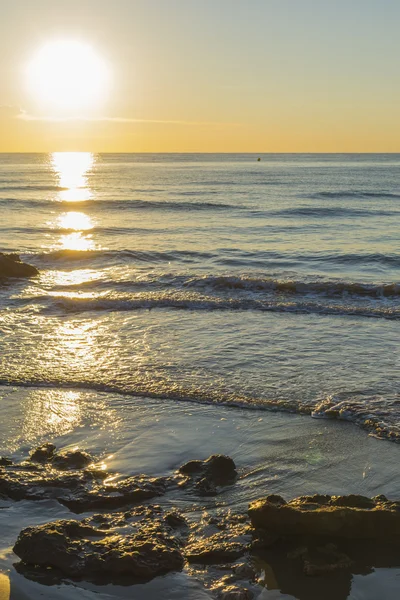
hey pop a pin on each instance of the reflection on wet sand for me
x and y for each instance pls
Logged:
(4, 587)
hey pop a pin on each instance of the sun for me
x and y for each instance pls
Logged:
(68, 76)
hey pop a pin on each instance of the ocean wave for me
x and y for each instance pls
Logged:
(355, 194)
(198, 302)
(244, 283)
(329, 288)
(117, 204)
(222, 256)
(332, 211)
(119, 255)
(34, 188)
(379, 415)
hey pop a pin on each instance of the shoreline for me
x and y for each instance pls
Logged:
(275, 453)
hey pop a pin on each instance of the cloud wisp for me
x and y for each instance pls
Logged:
(24, 116)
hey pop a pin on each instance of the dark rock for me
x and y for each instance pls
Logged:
(116, 494)
(234, 592)
(214, 550)
(175, 520)
(193, 466)
(220, 468)
(244, 571)
(354, 517)
(78, 490)
(137, 544)
(353, 501)
(207, 475)
(224, 541)
(5, 462)
(205, 487)
(11, 266)
(72, 459)
(43, 454)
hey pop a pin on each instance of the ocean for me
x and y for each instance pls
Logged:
(210, 278)
(192, 301)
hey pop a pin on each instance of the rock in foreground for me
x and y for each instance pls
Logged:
(207, 475)
(352, 517)
(140, 544)
(11, 266)
(62, 476)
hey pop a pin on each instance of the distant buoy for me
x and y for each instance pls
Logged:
(258, 159)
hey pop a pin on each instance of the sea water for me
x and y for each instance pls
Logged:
(204, 278)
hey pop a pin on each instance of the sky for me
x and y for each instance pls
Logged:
(209, 76)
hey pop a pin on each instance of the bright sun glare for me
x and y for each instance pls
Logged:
(68, 76)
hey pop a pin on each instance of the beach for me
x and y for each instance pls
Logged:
(275, 453)
(193, 305)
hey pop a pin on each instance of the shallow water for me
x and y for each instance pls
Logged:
(181, 298)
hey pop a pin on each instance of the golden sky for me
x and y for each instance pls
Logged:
(190, 76)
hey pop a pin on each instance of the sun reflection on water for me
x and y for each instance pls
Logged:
(51, 412)
(71, 169)
(75, 220)
(77, 241)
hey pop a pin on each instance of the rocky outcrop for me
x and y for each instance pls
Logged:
(352, 517)
(216, 540)
(206, 476)
(139, 544)
(69, 459)
(234, 592)
(116, 494)
(11, 266)
(78, 489)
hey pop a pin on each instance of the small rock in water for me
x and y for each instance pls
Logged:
(235, 593)
(217, 470)
(43, 453)
(220, 468)
(5, 462)
(244, 571)
(72, 459)
(193, 466)
(11, 266)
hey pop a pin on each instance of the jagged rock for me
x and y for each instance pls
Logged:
(208, 474)
(220, 468)
(193, 466)
(78, 490)
(43, 454)
(213, 550)
(351, 517)
(218, 540)
(11, 266)
(67, 459)
(244, 571)
(72, 459)
(235, 593)
(205, 487)
(5, 462)
(116, 494)
(138, 544)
